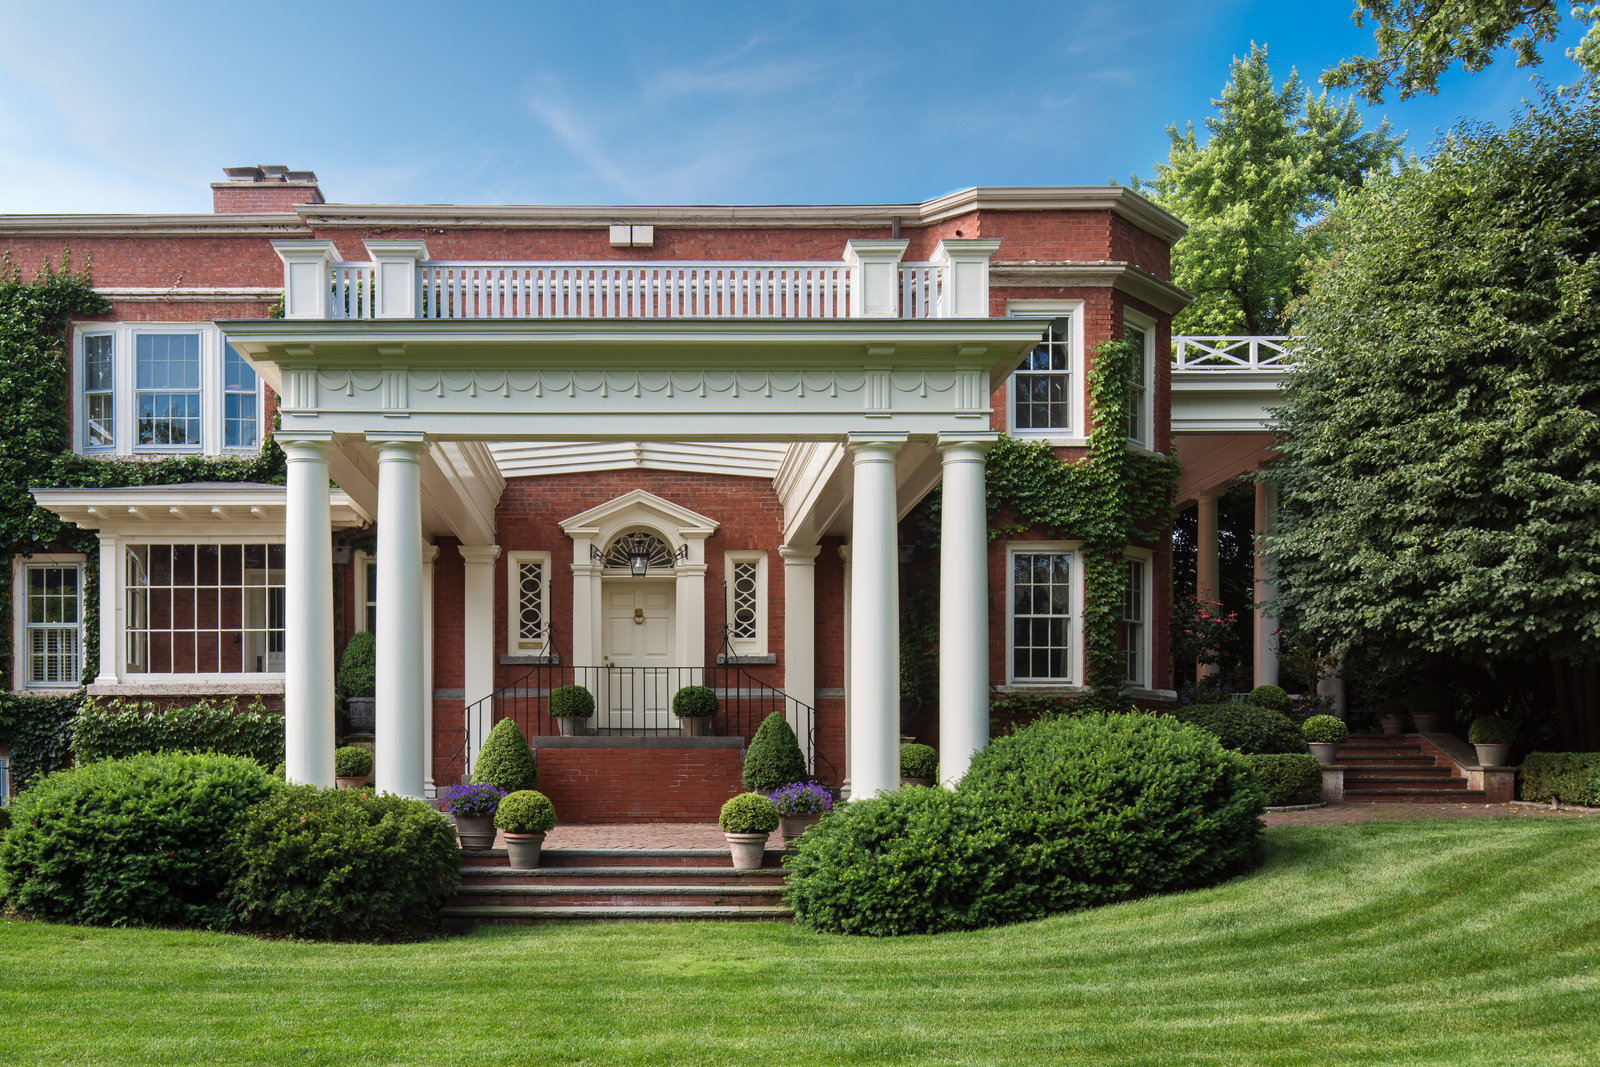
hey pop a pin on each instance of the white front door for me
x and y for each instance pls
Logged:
(640, 631)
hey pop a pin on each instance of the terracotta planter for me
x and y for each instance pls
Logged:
(573, 725)
(1325, 751)
(1393, 725)
(792, 826)
(915, 781)
(1493, 755)
(748, 850)
(475, 831)
(1430, 722)
(351, 783)
(695, 725)
(523, 849)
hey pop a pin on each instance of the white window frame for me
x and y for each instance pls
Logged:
(365, 594)
(1146, 560)
(1074, 549)
(1044, 311)
(5, 781)
(1147, 414)
(747, 646)
(516, 645)
(19, 620)
(124, 343)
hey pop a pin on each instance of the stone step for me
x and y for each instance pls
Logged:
(656, 896)
(1397, 765)
(1412, 796)
(461, 917)
(613, 857)
(621, 876)
(1432, 781)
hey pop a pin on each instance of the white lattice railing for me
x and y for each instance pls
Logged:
(452, 290)
(1238, 353)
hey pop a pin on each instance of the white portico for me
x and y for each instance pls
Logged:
(400, 410)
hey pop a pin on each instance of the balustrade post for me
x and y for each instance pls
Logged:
(965, 263)
(307, 277)
(396, 282)
(875, 277)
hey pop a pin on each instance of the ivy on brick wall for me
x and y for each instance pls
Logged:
(36, 450)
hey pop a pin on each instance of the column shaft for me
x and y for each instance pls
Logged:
(308, 608)
(875, 623)
(398, 761)
(1206, 584)
(429, 553)
(1265, 587)
(963, 607)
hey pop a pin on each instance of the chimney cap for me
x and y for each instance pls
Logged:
(269, 172)
(242, 174)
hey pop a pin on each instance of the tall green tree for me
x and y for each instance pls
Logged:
(1276, 160)
(1418, 40)
(1440, 467)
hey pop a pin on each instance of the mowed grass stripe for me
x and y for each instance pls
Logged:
(1470, 941)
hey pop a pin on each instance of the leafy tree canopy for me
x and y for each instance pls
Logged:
(1418, 40)
(1276, 161)
(1441, 442)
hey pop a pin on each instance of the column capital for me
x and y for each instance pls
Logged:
(973, 442)
(799, 555)
(397, 443)
(479, 553)
(867, 445)
(305, 444)
(429, 554)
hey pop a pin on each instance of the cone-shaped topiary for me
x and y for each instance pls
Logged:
(774, 758)
(506, 761)
(359, 665)
(1269, 696)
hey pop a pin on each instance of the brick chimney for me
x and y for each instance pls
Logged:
(263, 188)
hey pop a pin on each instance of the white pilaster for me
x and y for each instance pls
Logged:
(875, 607)
(478, 635)
(394, 272)
(963, 604)
(966, 276)
(307, 277)
(308, 608)
(111, 601)
(849, 749)
(398, 744)
(1206, 585)
(690, 597)
(874, 277)
(1265, 588)
(800, 631)
(429, 554)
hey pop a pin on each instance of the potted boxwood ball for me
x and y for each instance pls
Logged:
(801, 806)
(696, 707)
(746, 820)
(1324, 734)
(572, 706)
(358, 669)
(919, 765)
(352, 766)
(473, 806)
(1492, 737)
(524, 817)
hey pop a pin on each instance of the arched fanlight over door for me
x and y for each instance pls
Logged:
(638, 551)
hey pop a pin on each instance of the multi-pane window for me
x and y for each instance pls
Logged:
(205, 609)
(167, 388)
(1041, 616)
(238, 401)
(1042, 386)
(1133, 624)
(54, 624)
(5, 781)
(99, 393)
(1138, 385)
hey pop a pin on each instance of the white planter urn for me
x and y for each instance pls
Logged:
(1325, 751)
(1493, 755)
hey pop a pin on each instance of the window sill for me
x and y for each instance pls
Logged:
(191, 685)
(739, 658)
(1053, 440)
(530, 661)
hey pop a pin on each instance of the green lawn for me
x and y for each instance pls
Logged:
(1459, 942)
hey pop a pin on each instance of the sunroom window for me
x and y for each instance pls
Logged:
(205, 609)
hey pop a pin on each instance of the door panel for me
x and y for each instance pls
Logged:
(640, 630)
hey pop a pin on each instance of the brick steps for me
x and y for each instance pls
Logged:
(1400, 770)
(527, 916)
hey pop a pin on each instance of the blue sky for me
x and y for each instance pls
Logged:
(137, 107)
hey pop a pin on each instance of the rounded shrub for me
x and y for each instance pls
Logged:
(1104, 807)
(1245, 727)
(748, 813)
(281, 772)
(1288, 779)
(1491, 730)
(351, 761)
(506, 760)
(358, 667)
(774, 758)
(919, 761)
(1325, 730)
(695, 702)
(527, 811)
(1271, 697)
(131, 841)
(342, 863)
(573, 700)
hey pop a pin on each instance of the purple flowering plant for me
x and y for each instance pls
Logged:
(802, 798)
(472, 800)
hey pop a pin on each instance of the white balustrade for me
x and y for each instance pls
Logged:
(1232, 353)
(353, 292)
(921, 291)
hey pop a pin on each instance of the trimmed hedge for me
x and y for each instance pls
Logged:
(919, 761)
(113, 729)
(748, 813)
(342, 863)
(1287, 779)
(506, 760)
(695, 702)
(133, 841)
(774, 758)
(1245, 728)
(1569, 777)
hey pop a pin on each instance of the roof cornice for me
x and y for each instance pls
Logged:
(273, 224)
(1123, 277)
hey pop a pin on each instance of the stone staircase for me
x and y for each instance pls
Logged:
(1402, 770)
(573, 885)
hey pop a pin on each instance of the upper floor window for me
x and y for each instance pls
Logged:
(146, 387)
(1044, 398)
(1140, 413)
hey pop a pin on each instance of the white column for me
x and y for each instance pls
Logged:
(875, 606)
(307, 275)
(689, 594)
(394, 273)
(429, 554)
(963, 604)
(1206, 585)
(1330, 685)
(874, 277)
(1264, 589)
(478, 635)
(308, 609)
(849, 749)
(966, 276)
(586, 612)
(800, 631)
(398, 744)
(111, 601)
